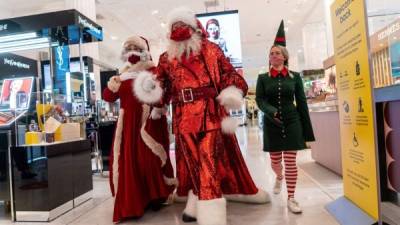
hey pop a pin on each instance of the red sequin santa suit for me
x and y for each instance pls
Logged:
(141, 173)
(201, 84)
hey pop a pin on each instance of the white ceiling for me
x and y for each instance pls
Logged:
(259, 20)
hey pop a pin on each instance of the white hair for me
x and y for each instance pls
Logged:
(176, 49)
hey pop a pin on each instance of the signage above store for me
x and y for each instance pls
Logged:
(389, 31)
(12, 65)
(3, 26)
(47, 24)
(386, 36)
(12, 62)
(92, 29)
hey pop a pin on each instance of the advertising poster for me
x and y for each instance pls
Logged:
(15, 93)
(223, 29)
(355, 104)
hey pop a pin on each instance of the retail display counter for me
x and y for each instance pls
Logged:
(388, 131)
(106, 134)
(326, 150)
(50, 179)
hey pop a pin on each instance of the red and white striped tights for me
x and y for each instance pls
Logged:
(290, 169)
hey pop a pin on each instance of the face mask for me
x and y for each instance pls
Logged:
(134, 59)
(181, 34)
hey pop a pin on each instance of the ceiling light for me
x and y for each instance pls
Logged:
(114, 37)
(154, 12)
(28, 47)
(163, 24)
(23, 42)
(17, 37)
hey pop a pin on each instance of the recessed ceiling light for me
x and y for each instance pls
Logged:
(163, 24)
(154, 12)
(114, 37)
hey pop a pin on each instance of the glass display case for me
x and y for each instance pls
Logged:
(48, 119)
(320, 88)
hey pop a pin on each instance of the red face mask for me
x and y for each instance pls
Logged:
(134, 59)
(181, 34)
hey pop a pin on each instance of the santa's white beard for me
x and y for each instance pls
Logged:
(176, 49)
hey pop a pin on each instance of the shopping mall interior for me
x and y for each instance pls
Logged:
(59, 60)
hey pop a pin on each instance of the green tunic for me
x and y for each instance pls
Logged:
(277, 94)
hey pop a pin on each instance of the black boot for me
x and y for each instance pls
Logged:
(188, 219)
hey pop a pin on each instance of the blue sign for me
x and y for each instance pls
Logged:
(395, 59)
(61, 64)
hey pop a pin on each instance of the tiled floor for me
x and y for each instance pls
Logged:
(316, 187)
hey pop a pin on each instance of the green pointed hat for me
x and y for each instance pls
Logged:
(280, 38)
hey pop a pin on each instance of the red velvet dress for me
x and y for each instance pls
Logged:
(141, 173)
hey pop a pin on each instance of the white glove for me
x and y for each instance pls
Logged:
(231, 98)
(114, 83)
(156, 113)
(147, 89)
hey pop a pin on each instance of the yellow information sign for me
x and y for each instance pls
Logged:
(355, 104)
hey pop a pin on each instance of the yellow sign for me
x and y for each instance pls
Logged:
(356, 106)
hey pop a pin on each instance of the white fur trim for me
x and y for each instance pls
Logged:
(135, 40)
(139, 66)
(229, 125)
(231, 98)
(144, 55)
(149, 97)
(113, 85)
(117, 150)
(127, 76)
(154, 146)
(211, 212)
(182, 14)
(261, 197)
(191, 205)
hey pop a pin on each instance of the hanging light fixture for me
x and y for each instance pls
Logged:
(16, 37)
(25, 41)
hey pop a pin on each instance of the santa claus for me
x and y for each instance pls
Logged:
(195, 76)
(141, 174)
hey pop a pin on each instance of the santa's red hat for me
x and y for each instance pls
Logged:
(187, 16)
(138, 41)
(182, 14)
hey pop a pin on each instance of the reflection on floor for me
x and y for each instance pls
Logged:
(316, 187)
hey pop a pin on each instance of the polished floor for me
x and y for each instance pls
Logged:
(316, 187)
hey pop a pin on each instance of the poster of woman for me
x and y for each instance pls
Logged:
(15, 93)
(223, 29)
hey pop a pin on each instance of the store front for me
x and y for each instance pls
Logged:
(47, 84)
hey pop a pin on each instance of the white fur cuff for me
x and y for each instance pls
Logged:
(191, 205)
(229, 125)
(113, 84)
(261, 197)
(231, 98)
(211, 212)
(147, 89)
